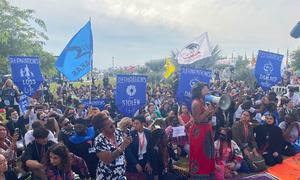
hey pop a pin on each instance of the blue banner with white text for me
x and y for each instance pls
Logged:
(268, 69)
(189, 76)
(130, 93)
(26, 73)
(99, 103)
(76, 59)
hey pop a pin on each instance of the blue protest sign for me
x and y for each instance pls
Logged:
(189, 76)
(99, 103)
(130, 93)
(23, 103)
(26, 73)
(268, 69)
(76, 59)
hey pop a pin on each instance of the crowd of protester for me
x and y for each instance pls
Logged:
(57, 137)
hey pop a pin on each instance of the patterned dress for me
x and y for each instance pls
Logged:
(116, 168)
(201, 159)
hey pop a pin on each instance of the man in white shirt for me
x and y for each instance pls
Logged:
(28, 138)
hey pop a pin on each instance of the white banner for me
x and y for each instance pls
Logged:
(196, 50)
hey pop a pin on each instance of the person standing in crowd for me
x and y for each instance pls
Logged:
(58, 163)
(201, 136)
(110, 145)
(269, 140)
(139, 152)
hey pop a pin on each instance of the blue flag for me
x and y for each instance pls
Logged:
(26, 73)
(189, 76)
(130, 93)
(268, 69)
(76, 59)
(99, 103)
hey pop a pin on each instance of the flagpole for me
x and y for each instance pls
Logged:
(91, 73)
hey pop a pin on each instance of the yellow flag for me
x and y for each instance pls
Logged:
(169, 68)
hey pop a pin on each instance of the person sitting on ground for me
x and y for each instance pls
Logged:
(269, 140)
(81, 144)
(291, 134)
(228, 154)
(66, 131)
(4, 173)
(58, 163)
(125, 124)
(35, 153)
(28, 138)
(139, 152)
(16, 121)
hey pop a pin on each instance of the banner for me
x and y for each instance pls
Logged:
(99, 103)
(26, 73)
(130, 93)
(196, 50)
(169, 68)
(268, 69)
(189, 76)
(23, 103)
(76, 59)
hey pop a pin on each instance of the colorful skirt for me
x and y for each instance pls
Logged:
(201, 159)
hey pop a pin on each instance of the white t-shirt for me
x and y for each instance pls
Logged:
(28, 138)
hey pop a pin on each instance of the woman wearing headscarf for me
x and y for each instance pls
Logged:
(269, 140)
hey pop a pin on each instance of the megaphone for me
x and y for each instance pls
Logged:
(224, 101)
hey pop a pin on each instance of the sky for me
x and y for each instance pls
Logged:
(136, 31)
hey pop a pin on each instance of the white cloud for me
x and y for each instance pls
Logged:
(236, 25)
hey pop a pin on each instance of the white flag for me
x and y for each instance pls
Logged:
(196, 50)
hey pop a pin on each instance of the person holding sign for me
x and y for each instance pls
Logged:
(201, 159)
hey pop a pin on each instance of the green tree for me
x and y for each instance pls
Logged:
(295, 56)
(156, 65)
(243, 73)
(22, 34)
